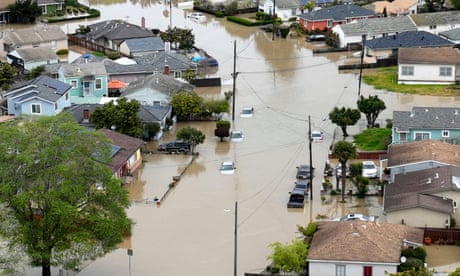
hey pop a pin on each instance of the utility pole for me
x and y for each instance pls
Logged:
(234, 80)
(362, 60)
(236, 241)
(311, 165)
(170, 14)
(273, 21)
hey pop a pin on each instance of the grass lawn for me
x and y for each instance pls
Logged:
(386, 78)
(373, 139)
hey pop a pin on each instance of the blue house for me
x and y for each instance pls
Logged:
(40, 96)
(426, 123)
(88, 81)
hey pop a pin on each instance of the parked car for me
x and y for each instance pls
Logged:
(247, 112)
(353, 216)
(303, 172)
(302, 185)
(317, 136)
(177, 146)
(227, 167)
(338, 170)
(236, 136)
(296, 199)
(369, 169)
(316, 37)
(196, 16)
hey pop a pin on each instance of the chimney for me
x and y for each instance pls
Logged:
(166, 70)
(143, 22)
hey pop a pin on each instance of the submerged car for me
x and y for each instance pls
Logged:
(177, 146)
(354, 216)
(227, 167)
(338, 170)
(196, 16)
(369, 169)
(317, 136)
(247, 112)
(303, 172)
(316, 37)
(301, 185)
(296, 199)
(236, 136)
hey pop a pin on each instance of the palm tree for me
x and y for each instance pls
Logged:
(344, 151)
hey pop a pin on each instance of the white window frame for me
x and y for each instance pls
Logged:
(445, 71)
(329, 23)
(74, 83)
(35, 106)
(407, 70)
(339, 270)
(98, 84)
(405, 134)
(445, 133)
(423, 134)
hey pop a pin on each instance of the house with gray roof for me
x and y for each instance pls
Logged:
(170, 63)
(142, 46)
(451, 35)
(424, 198)
(372, 28)
(326, 18)
(127, 72)
(424, 123)
(42, 96)
(359, 247)
(50, 36)
(284, 9)
(111, 33)
(436, 22)
(388, 46)
(429, 65)
(30, 58)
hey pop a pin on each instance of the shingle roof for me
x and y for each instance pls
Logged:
(116, 68)
(398, 7)
(145, 44)
(408, 39)
(175, 61)
(423, 150)
(37, 34)
(117, 30)
(427, 117)
(283, 4)
(379, 26)
(338, 12)
(36, 54)
(453, 34)
(43, 87)
(442, 55)
(436, 18)
(361, 241)
(83, 69)
(417, 189)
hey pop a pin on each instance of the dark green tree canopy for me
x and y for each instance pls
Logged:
(344, 117)
(191, 135)
(24, 11)
(7, 73)
(50, 171)
(185, 104)
(344, 151)
(371, 107)
(123, 117)
(179, 38)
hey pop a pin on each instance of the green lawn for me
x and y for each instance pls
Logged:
(386, 78)
(373, 139)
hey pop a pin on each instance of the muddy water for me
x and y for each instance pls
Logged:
(192, 231)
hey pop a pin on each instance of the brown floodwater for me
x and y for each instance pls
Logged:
(192, 231)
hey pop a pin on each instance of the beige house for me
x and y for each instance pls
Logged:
(359, 247)
(424, 198)
(394, 8)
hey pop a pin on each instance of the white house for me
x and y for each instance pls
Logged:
(32, 57)
(436, 22)
(284, 9)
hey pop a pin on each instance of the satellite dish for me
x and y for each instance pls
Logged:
(403, 259)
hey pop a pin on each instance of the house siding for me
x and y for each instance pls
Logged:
(418, 217)
(435, 134)
(427, 74)
(329, 268)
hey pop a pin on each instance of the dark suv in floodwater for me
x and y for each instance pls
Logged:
(175, 147)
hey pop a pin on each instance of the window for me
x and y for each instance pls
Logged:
(445, 133)
(422, 136)
(403, 136)
(53, 44)
(367, 271)
(339, 270)
(66, 96)
(98, 84)
(36, 109)
(407, 70)
(55, 106)
(445, 71)
(176, 74)
(74, 83)
(329, 23)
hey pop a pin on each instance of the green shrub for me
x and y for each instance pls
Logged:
(222, 124)
(219, 14)
(62, 52)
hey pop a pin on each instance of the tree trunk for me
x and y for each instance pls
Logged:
(46, 269)
(344, 131)
(344, 179)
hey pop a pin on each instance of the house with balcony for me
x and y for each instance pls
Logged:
(42, 96)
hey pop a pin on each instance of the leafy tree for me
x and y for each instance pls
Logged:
(309, 6)
(152, 129)
(7, 73)
(371, 107)
(344, 151)
(24, 11)
(191, 135)
(49, 169)
(185, 104)
(179, 38)
(414, 272)
(222, 129)
(289, 257)
(456, 4)
(36, 71)
(385, 13)
(123, 117)
(214, 107)
(456, 272)
(344, 117)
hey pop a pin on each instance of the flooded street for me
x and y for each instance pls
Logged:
(192, 231)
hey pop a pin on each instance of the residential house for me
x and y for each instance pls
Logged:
(326, 18)
(393, 8)
(112, 33)
(436, 22)
(359, 247)
(40, 96)
(127, 70)
(126, 153)
(142, 46)
(429, 65)
(88, 81)
(170, 63)
(419, 155)
(5, 11)
(29, 58)
(318, 4)
(50, 6)
(425, 123)
(284, 9)
(451, 35)
(50, 36)
(388, 46)
(424, 198)
(371, 28)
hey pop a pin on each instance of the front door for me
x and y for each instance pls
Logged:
(86, 90)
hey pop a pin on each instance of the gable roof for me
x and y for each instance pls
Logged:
(417, 189)
(127, 146)
(36, 34)
(113, 67)
(453, 34)
(436, 18)
(397, 7)
(347, 240)
(35, 54)
(337, 13)
(42, 87)
(81, 70)
(154, 43)
(378, 26)
(175, 61)
(286, 4)
(427, 117)
(408, 39)
(116, 30)
(423, 150)
(435, 56)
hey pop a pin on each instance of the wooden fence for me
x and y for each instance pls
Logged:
(443, 236)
